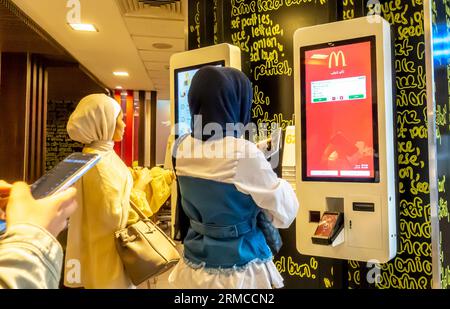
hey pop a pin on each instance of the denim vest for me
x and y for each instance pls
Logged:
(223, 232)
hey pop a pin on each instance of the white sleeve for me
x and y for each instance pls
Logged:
(254, 176)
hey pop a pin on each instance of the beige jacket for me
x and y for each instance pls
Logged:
(30, 258)
(103, 204)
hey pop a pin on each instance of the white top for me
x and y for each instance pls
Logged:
(239, 162)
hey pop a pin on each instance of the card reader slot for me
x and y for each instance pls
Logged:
(367, 207)
(314, 216)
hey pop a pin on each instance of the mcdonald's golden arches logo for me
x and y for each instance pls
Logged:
(337, 56)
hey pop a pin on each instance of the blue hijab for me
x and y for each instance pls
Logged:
(220, 95)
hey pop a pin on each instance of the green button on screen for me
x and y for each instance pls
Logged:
(320, 100)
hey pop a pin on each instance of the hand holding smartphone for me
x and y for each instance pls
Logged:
(272, 145)
(60, 178)
(64, 175)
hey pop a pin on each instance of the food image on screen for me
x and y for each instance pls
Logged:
(338, 111)
(326, 225)
(183, 79)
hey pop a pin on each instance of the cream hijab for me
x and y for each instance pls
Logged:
(94, 121)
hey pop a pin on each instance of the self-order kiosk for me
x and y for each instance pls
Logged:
(345, 154)
(183, 67)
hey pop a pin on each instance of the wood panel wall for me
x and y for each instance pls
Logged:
(35, 163)
(13, 114)
(23, 110)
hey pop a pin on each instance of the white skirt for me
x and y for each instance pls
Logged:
(255, 275)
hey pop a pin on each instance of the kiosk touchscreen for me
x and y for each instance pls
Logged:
(343, 99)
(340, 111)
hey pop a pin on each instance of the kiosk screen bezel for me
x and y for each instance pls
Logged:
(373, 54)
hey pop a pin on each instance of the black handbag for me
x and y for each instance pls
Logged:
(271, 233)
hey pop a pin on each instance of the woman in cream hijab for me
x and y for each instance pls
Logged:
(91, 259)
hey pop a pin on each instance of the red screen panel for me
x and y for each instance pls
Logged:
(339, 114)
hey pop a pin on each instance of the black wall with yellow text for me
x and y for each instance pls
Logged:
(263, 30)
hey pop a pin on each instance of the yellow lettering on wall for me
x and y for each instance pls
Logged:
(289, 266)
(271, 68)
(196, 27)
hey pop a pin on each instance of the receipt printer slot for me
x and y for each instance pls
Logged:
(368, 207)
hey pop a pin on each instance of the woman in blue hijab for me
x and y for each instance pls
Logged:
(220, 96)
(224, 182)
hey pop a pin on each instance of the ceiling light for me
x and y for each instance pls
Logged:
(83, 27)
(119, 87)
(319, 56)
(121, 73)
(162, 45)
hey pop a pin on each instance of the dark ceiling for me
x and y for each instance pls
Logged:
(20, 34)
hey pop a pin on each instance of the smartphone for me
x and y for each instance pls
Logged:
(273, 144)
(64, 174)
(2, 227)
